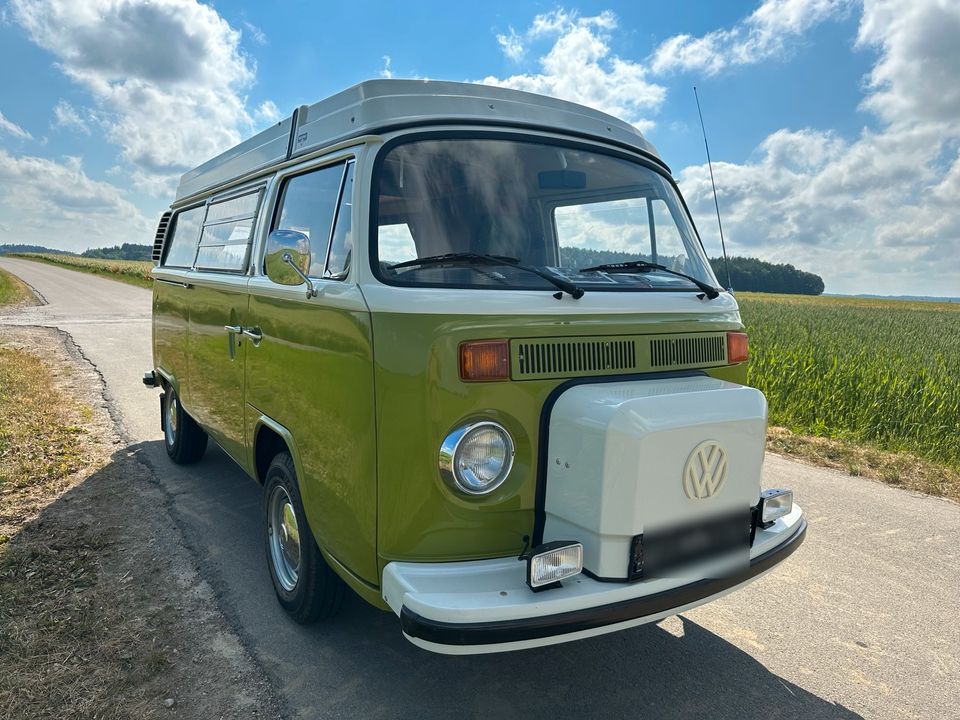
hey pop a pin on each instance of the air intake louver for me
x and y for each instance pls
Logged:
(687, 351)
(547, 358)
(161, 236)
(543, 358)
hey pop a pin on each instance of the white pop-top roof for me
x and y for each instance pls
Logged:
(377, 105)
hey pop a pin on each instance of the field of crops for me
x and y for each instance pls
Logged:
(881, 372)
(136, 272)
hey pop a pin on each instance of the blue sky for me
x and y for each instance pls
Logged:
(834, 124)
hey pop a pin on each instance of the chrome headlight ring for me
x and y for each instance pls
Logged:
(462, 464)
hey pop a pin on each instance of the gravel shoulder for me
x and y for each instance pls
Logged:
(102, 611)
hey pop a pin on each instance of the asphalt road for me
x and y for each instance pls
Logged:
(861, 621)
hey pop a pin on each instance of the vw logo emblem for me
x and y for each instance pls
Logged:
(705, 470)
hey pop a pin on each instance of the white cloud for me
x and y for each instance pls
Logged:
(511, 45)
(267, 113)
(581, 68)
(875, 213)
(67, 116)
(8, 126)
(878, 213)
(763, 34)
(919, 67)
(386, 72)
(58, 205)
(168, 77)
(259, 37)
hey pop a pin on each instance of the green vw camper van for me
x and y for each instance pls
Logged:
(469, 342)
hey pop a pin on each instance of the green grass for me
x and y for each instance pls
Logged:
(12, 290)
(882, 373)
(135, 272)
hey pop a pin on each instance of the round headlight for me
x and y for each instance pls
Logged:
(476, 458)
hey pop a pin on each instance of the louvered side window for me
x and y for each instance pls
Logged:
(228, 232)
(160, 239)
(183, 233)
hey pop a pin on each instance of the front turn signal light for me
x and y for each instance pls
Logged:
(738, 348)
(484, 360)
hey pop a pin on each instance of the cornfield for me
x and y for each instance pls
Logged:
(880, 372)
(134, 271)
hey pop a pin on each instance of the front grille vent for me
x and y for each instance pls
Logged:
(161, 236)
(542, 358)
(575, 357)
(688, 351)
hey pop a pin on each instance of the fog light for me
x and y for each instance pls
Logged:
(552, 562)
(775, 504)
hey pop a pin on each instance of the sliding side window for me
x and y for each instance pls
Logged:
(228, 232)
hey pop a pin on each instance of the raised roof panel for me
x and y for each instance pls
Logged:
(262, 150)
(377, 105)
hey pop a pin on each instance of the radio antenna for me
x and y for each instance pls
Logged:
(716, 204)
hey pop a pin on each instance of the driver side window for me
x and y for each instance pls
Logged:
(307, 204)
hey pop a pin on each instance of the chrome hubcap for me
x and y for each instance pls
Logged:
(284, 538)
(170, 431)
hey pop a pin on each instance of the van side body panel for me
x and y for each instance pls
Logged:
(171, 312)
(216, 360)
(313, 374)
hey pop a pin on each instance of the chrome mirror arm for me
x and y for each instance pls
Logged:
(311, 288)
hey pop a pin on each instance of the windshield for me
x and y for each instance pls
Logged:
(546, 206)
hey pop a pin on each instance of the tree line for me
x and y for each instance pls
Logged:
(750, 274)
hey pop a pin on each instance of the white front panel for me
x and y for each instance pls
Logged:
(623, 460)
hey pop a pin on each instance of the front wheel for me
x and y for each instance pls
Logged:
(184, 439)
(306, 587)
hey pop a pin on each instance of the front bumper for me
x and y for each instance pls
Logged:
(484, 606)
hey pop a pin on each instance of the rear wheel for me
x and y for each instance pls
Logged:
(184, 439)
(306, 587)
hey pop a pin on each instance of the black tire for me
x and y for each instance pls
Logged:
(312, 591)
(184, 439)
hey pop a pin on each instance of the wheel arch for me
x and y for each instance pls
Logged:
(270, 438)
(168, 380)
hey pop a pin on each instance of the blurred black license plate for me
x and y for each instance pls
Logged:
(658, 552)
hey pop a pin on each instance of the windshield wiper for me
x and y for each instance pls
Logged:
(566, 286)
(644, 266)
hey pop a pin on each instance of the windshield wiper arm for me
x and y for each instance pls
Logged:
(562, 284)
(644, 266)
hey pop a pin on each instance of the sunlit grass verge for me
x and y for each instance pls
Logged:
(901, 469)
(41, 428)
(13, 291)
(135, 272)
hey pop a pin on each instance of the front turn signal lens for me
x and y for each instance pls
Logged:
(484, 360)
(738, 348)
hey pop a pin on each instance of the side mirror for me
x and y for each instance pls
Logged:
(286, 260)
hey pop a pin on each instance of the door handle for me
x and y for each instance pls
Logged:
(254, 334)
(233, 329)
